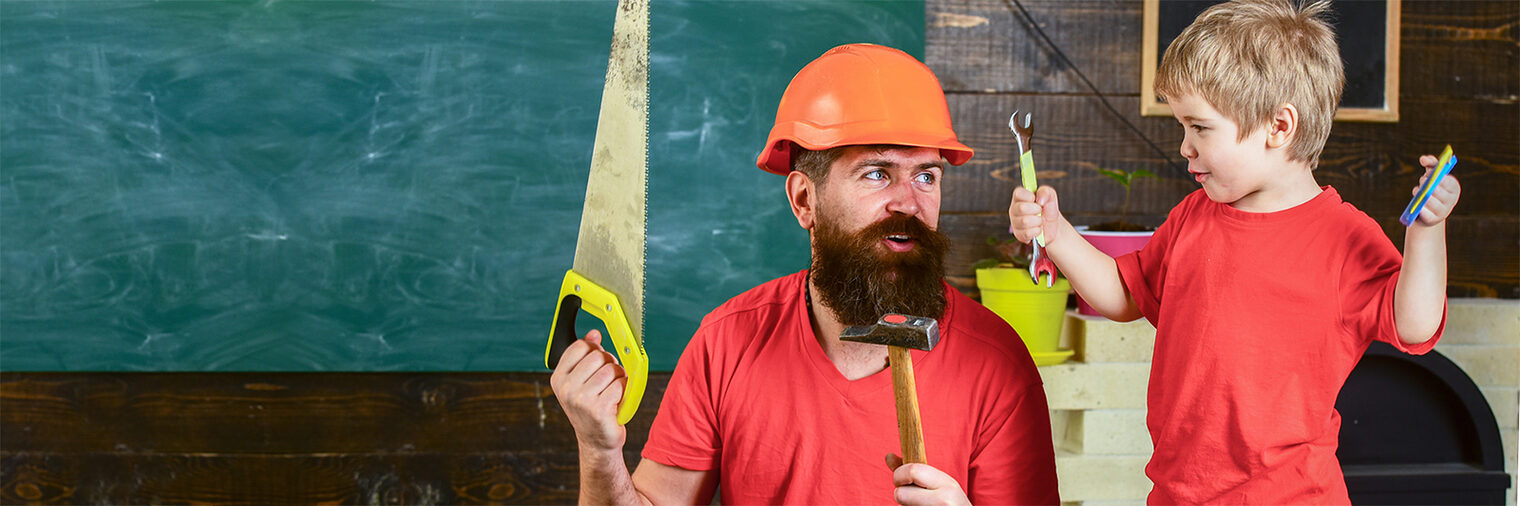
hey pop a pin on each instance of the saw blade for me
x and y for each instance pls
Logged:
(610, 247)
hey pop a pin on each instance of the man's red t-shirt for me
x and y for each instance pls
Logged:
(1259, 317)
(754, 398)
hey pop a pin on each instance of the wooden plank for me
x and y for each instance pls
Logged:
(292, 413)
(1483, 254)
(148, 478)
(1376, 166)
(1460, 50)
(283, 438)
(1073, 137)
(987, 45)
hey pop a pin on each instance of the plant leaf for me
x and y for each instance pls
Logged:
(1117, 175)
(1142, 173)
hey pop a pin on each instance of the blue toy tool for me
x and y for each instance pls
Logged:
(1443, 167)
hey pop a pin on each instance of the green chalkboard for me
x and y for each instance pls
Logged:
(318, 186)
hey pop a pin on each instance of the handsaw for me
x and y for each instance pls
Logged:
(607, 278)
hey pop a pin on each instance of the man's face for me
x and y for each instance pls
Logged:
(875, 247)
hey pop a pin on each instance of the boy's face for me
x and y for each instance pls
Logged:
(1241, 172)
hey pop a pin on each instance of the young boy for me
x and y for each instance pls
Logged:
(1265, 288)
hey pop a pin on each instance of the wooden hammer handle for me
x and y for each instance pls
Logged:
(909, 427)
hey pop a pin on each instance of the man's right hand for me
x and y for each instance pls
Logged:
(589, 385)
(1031, 214)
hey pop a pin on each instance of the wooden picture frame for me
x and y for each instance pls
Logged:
(1369, 46)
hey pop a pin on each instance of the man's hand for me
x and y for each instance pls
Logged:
(1031, 214)
(589, 385)
(923, 484)
(1442, 199)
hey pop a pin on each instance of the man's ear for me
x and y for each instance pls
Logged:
(1282, 126)
(803, 195)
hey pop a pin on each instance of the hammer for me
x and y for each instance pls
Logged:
(900, 332)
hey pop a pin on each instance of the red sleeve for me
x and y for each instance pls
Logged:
(1144, 270)
(1368, 279)
(685, 429)
(1016, 463)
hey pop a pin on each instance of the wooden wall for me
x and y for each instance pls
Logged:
(291, 438)
(420, 438)
(1458, 79)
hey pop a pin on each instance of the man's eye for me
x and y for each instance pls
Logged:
(876, 175)
(925, 177)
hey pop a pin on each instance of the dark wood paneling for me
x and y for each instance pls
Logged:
(1460, 50)
(1483, 255)
(1073, 137)
(987, 45)
(395, 438)
(119, 478)
(1376, 166)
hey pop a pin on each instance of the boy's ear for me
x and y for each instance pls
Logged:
(803, 195)
(1282, 126)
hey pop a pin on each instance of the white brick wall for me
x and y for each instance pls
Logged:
(1097, 400)
(1483, 338)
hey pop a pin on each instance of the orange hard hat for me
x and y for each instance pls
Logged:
(861, 94)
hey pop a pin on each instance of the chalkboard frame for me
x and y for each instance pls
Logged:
(1388, 113)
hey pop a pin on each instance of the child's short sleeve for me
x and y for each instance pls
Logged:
(1144, 270)
(1368, 279)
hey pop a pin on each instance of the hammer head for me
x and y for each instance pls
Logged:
(894, 329)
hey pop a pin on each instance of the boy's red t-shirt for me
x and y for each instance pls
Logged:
(754, 398)
(1259, 317)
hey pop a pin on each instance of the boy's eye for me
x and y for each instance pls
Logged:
(1198, 128)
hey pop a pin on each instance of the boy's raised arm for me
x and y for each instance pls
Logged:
(1092, 273)
(1419, 298)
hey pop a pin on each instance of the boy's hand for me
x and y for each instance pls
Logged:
(1031, 214)
(923, 484)
(589, 385)
(1442, 199)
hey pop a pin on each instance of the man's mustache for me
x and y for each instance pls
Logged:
(898, 224)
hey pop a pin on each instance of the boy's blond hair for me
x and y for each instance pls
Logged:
(1249, 57)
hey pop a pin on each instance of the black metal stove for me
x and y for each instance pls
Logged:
(1416, 430)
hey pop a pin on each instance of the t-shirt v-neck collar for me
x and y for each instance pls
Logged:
(813, 351)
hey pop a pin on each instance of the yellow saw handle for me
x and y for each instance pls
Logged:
(578, 293)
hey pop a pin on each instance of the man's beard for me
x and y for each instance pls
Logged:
(860, 280)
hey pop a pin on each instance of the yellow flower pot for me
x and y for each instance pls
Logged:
(1034, 311)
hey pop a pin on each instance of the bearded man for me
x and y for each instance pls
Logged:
(767, 405)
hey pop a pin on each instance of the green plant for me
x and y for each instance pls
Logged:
(1125, 179)
(1010, 253)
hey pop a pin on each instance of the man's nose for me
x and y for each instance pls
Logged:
(903, 198)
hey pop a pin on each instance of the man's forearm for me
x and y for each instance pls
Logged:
(605, 479)
(1419, 298)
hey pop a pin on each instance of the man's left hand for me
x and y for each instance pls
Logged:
(923, 484)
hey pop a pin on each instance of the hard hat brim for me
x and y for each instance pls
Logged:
(777, 158)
